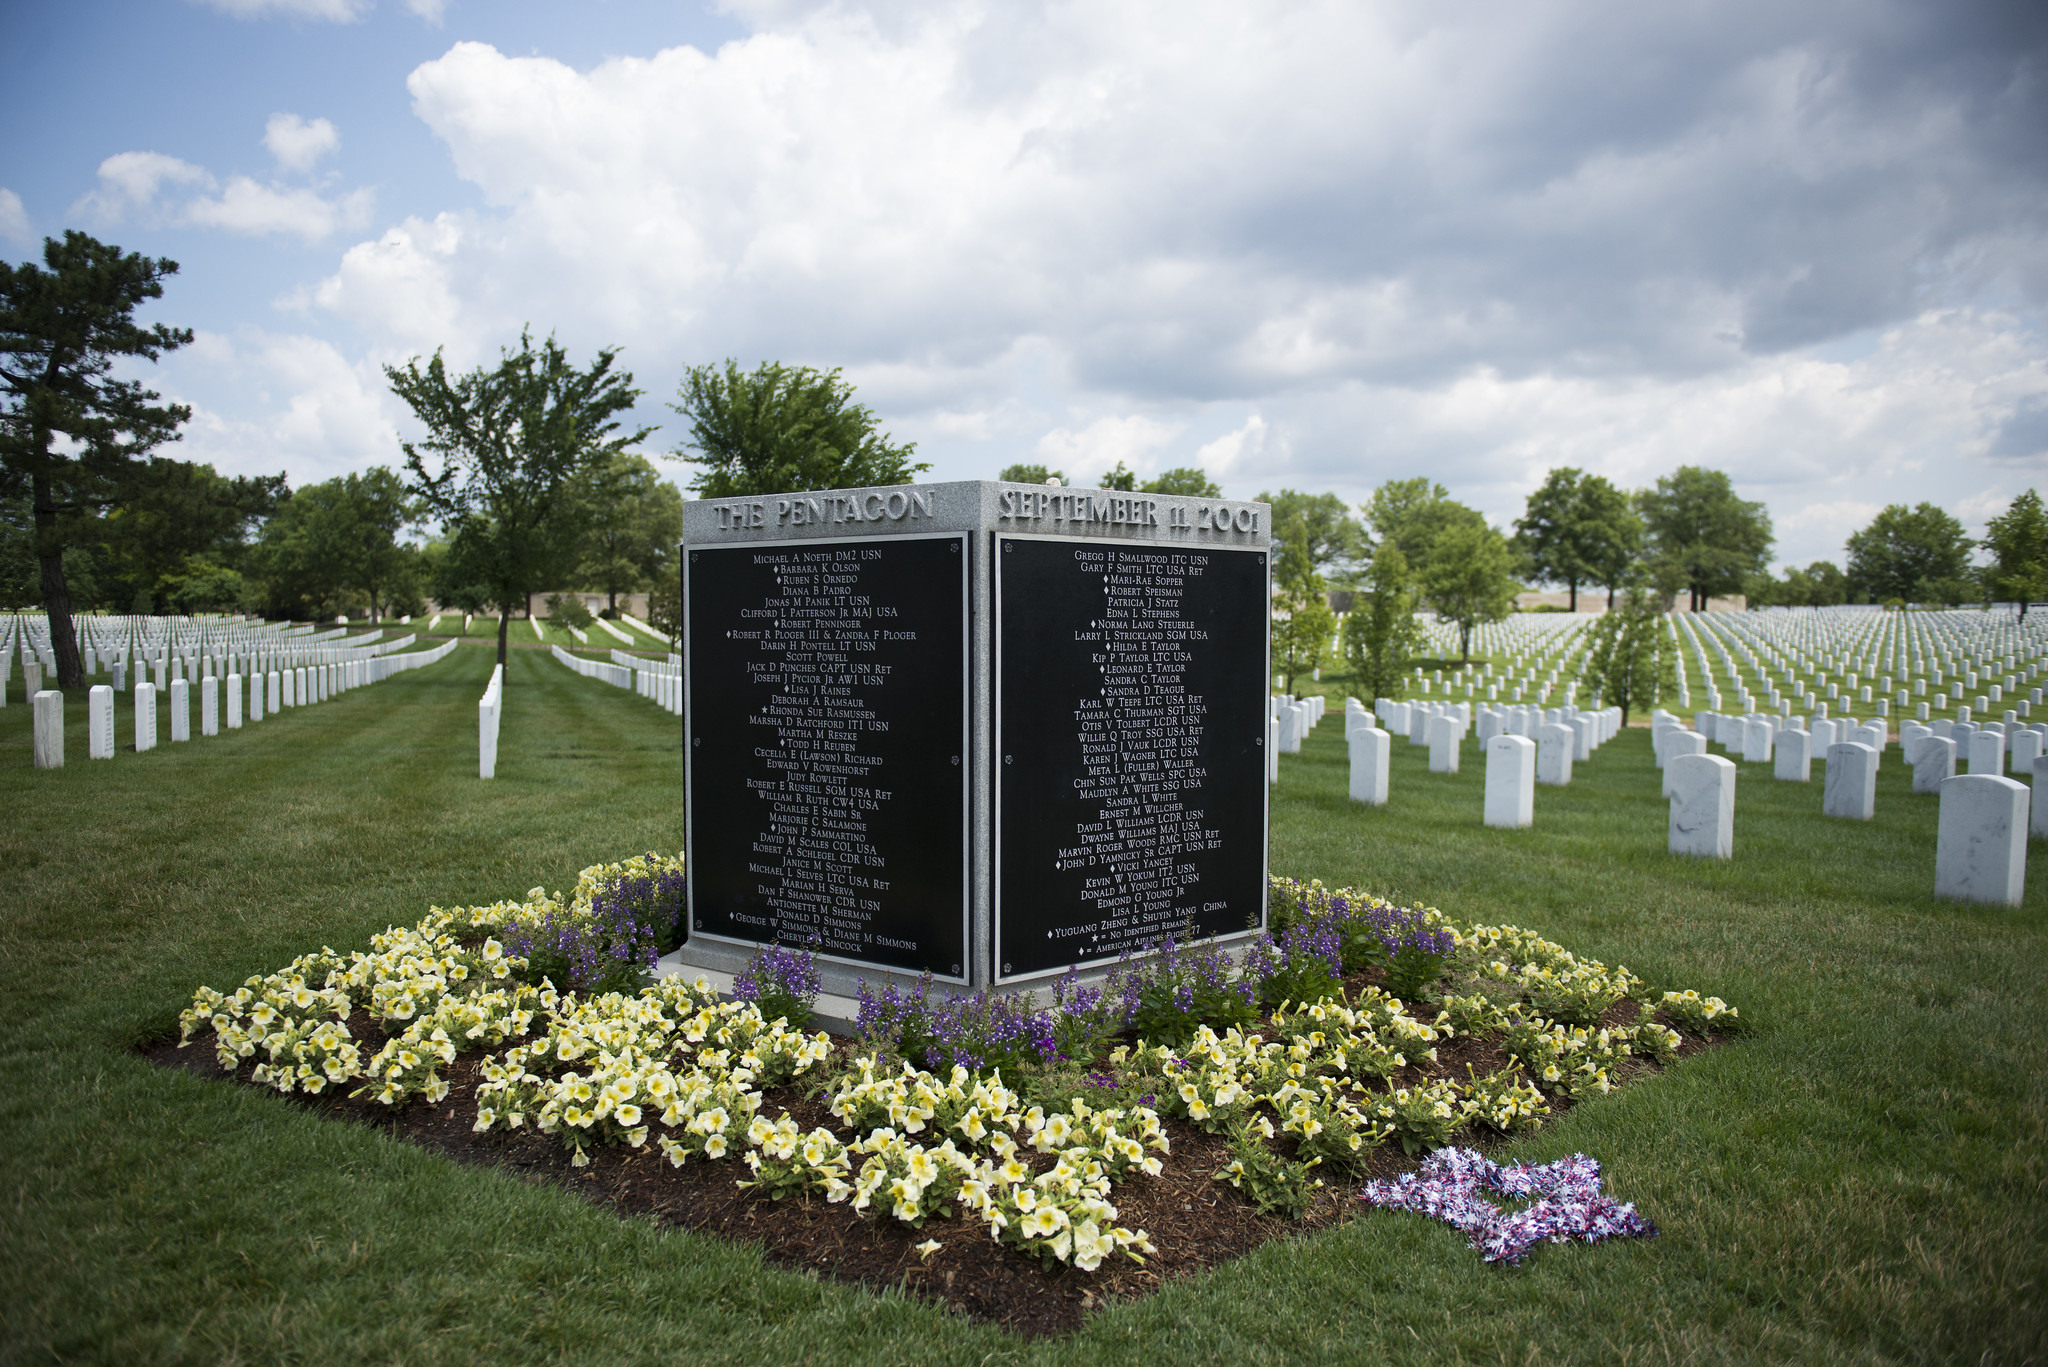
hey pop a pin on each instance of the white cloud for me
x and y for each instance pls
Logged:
(129, 182)
(1089, 453)
(335, 11)
(1314, 244)
(134, 184)
(1233, 452)
(14, 219)
(264, 402)
(257, 210)
(433, 11)
(299, 143)
(401, 284)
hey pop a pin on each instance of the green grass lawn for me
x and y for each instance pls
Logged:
(1858, 1178)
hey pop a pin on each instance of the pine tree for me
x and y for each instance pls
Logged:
(63, 326)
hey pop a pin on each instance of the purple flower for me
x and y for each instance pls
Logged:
(1569, 1203)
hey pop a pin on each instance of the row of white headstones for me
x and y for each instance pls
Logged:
(1524, 745)
(1965, 663)
(1981, 836)
(267, 693)
(1981, 842)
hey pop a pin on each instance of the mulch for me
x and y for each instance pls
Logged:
(1195, 1222)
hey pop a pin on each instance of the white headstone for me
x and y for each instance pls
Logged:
(1444, 733)
(1850, 788)
(1658, 731)
(1987, 753)
(145, 716)
(181, 710)
(1933, 764)
(274, 694)
(2039, 810)
(1981, 846)
(1510, 782)
(1683, 743)
(1418, 724)
(1489, 726)
(1371, 751)
(209, 706)
(99, 722)
(1556, 744)
(2024, 748)
(1289, 721)
(1794, 757)
(234, 687)
(1272, 750)
(1756, 741)
(1702, 791)
(49, 723)
(1584, 729)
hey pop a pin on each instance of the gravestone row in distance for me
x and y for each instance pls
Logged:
(985, 731)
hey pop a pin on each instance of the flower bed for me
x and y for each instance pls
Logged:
(1193, 1106)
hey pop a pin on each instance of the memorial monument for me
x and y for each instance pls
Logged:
(983, 731)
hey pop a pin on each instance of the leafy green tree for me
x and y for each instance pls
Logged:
(1617, 549)
(1413, 514)
(453, 578)
(336, 545)
(1917, 554)
(1579, 528)
(1819, 585)
(178, 536)
(1120, 478)
(21, 573)
(510, 442)
(69, 430)
(783, 429)
(665, 607)
(1381, 634)
(1030, 474)
(1630, 659)
(1711, 542)
(2018, 542)
(632, 523)
(568, 609)
(1189, 481)
(1470, 579)
(1302, 621)
(1322, 527)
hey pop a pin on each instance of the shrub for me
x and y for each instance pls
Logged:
(568, 609)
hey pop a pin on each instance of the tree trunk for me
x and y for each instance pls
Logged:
(612, 603)
(1610, 597)
(1572, 587)
(504, 623)
(56, 593)
(1464, 646)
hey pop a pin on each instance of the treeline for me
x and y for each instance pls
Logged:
(526, 478)
(177, 537)
(1687, 538)
(1922, 555)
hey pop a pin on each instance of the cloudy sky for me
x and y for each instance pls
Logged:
(1300, 244)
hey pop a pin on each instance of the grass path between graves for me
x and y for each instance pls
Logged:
(1859, 1178)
